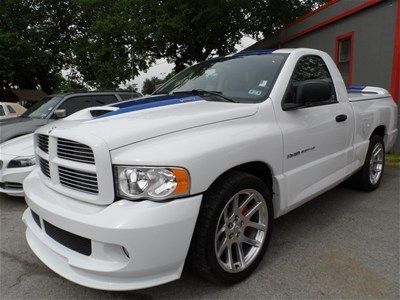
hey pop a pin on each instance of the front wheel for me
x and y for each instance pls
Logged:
(233, 229)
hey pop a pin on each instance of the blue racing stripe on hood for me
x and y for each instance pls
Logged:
(151, 102)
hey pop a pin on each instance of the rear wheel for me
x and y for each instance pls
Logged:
(369, 177)
(233, 229)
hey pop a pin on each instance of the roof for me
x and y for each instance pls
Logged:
(100, 91)
(29, 95)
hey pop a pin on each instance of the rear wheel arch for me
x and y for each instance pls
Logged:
(379, 131)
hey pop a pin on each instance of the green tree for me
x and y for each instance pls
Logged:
(191, 31)
(150, 84)
(35, 39)
(169, 76)
(110, 42)
(132, 87)
(114, 41)
(67, 84)
(265, 17)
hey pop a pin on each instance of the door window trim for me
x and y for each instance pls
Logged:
(317, 103)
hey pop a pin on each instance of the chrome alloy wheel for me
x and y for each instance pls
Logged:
(241, 230)
(376, 163)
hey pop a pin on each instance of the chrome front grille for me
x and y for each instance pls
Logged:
(75, 151)
(44, 167)
(43, 142)
(78, 180)
(71, 169)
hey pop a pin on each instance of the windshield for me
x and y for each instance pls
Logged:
(2, 113)
(243, 78)
(41, 109)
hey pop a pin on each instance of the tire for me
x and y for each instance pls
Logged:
(234, 232)
(368, 178)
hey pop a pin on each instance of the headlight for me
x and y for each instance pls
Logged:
(21, 162)
(151, 182)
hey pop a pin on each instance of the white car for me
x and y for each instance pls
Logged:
(125, 195)
(10, 110)
(17, 159)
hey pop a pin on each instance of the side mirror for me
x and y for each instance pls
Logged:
(60, 113)
(306, 93)
(312, 91)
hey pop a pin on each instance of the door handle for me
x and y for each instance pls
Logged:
(341, 118)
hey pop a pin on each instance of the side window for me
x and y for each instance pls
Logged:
(11, 109)
(2, 112)
(128, 96)
(311, 83)
(75, 104)
(104, 99)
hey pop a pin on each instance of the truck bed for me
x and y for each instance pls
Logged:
(364, 93)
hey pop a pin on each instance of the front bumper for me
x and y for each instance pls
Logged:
(156, 236)
(11, 179)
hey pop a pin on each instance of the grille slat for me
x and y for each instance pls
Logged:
(44, 167)
(79, 187)
(81, 180)
(43, 142)
(13, 185)
(81, 174)
(74, 146)
(78, 180)
(74, 157)
(75, 151)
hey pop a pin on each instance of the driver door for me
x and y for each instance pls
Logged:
(315, 143)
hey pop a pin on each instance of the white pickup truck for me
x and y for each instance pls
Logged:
(124, 195)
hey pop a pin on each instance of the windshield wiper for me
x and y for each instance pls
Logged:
(200, 92)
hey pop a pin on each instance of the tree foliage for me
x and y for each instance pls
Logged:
(150, 84)
(266, 17)
(35, 41)
(107, 42)
(113, 43)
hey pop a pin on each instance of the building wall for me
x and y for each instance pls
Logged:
(374, 33)
(374, 37)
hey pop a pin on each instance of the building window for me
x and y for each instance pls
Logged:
(344, 55)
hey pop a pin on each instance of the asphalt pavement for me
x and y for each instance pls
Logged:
(343, 244)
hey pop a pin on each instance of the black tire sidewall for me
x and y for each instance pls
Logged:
(366, 170)
(216, 199)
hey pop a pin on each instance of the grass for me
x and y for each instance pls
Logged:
(393, 160)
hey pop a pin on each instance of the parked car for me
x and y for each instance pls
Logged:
(17, 157)
(55, 107)
(17, 160)
(10, 110)
(197, 172)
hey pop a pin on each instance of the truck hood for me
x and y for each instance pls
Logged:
(20, 146)
(148, 117)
